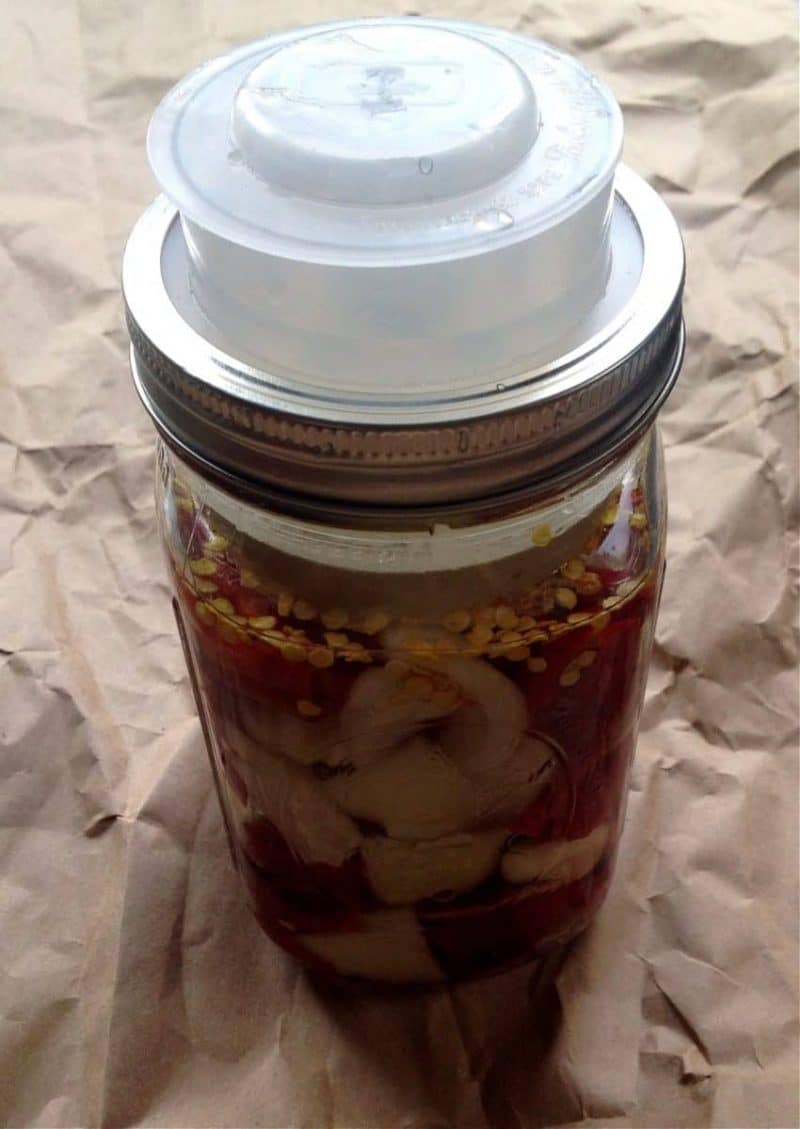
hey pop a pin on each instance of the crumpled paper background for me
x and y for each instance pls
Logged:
(136, 989)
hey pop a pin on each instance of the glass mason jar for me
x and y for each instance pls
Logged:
(417, 601)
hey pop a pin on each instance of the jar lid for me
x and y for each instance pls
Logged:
(396, 263)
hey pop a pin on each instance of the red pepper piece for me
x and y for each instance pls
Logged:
(252, 604)
(513, 926)
(308, 894)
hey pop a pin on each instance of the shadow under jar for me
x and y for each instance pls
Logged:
(414, 515)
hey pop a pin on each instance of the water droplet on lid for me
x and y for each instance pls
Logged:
(425, 165)
(500, 387)
(493, 219)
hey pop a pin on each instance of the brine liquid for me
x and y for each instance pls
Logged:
(413, 799)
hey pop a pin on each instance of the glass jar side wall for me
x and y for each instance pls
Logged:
(424, 771)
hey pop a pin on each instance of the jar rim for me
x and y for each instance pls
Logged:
(548, 425)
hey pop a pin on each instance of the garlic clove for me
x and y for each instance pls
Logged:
(414, 793)
(557, 862)
(401, 872)
(389, 945)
